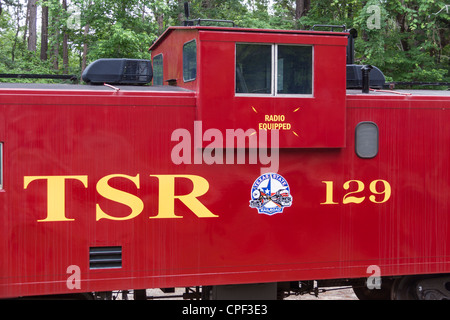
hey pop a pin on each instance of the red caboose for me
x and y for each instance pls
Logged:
(247, 163)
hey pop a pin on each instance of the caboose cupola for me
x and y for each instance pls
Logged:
(244, 76)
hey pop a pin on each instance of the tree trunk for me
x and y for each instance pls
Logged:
(301, 8)
(85, 48)
(85, 43)
(401, 21)
(65, 43)
(44, 34)
(56, 49)
(181, 16)
(27, 19)
(16, 38)
(160, 21)
(32, 36)
(206, 4)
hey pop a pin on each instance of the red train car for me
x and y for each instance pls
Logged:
(247, 169)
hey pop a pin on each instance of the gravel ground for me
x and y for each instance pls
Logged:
(329, 294)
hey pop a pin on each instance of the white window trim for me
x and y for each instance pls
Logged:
(274, 76)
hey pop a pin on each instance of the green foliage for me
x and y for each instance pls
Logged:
(407, 46)
(116, 29)
(122, 42)
(405, 38)
(409, 43)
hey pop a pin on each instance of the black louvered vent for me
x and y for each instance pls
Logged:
(105, 257)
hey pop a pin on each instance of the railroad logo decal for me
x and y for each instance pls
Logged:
(270, 194)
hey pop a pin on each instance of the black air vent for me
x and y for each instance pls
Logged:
(119, 71)
(105, 257)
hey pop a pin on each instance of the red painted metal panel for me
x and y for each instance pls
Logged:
(256, 32)
(63, 134)
(309, 240)
(172, 50)
(114, 150)
(314, 121)
(409, 234)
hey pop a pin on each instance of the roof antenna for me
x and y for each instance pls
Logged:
(187, 22)
(186, 10)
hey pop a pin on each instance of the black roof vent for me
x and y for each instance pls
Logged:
(119, 71)
(355, 77)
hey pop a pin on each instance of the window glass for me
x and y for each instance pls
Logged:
(366, 136)
(190, 61)
(294, 70)
(158, 79)
(253, 68)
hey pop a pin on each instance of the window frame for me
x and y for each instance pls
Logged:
(357, 137)
(276, 70)
(196, 60)
(162, 64)
(274, 75)
(272, 70)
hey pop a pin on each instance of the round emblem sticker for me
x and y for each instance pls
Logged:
(270, 194)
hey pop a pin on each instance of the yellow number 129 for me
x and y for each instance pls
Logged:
(356, 188)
